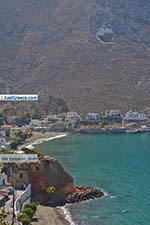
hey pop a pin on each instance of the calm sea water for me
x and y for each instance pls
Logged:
(117, 164)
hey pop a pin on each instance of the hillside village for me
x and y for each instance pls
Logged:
(93, 56)
(14, 130)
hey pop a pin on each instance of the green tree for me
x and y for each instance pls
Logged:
(32, 205)
(3, 119)
(14, 144)
(30, 212)
(7, 132)
(21, 135)
(51, 190)
(2, 217)
(22, 120)
(18, 121)
(24, 219)
(3, 151)
(26, 118)
(17, 139)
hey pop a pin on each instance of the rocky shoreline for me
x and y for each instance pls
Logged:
(74, 195)
(66, 192)
(83, 194)
(79, 194)
(113, 130)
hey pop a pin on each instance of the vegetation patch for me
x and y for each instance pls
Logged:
(27, 213)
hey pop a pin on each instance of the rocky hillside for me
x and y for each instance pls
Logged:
(49, 47)
(44, 106)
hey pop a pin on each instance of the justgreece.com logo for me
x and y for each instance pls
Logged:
(19, 97)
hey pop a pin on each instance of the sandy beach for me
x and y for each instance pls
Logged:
(49, 216)
(38, 137)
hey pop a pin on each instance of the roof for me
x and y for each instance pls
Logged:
(104, 30)
(6, 126)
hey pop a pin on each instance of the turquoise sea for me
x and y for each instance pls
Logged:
(117, 164)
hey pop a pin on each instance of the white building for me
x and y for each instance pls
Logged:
(35, 123)
(44, 123)
(92, 116)
(105, 35)
(3, 179)
(113, 114)
(135, 116)
(72, 116)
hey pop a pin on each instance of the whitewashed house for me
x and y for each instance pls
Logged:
(133, 116)
(44, 124)
(38, 124)
(34, 123)
(105, 35)
(113, 114)
(92, 116)
(72, 116)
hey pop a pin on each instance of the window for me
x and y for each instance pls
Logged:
(21, 175)
(37, 168)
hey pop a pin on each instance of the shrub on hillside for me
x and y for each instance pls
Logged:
(50, 190)
(30, 212)
(24, 219)
(30, 206)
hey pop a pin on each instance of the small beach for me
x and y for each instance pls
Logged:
(38, 138)
(49, 216)
(46, 215)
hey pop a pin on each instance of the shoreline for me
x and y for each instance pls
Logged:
(38, 138)
(48, 215)
(58, 215)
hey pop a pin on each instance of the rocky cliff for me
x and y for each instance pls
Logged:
(48, 174)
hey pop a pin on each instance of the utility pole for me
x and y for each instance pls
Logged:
(13, 214)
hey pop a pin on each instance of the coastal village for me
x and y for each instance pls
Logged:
(74, 112)
(15, 130)
(55, 186)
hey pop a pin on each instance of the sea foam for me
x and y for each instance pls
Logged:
(112, 196)
(68, 216)
(41, 140)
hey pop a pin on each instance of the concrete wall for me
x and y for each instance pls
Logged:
(25, 197)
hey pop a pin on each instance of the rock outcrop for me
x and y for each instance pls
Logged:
(46, 174)
(79, 194)
(49, 173)
(84, 193)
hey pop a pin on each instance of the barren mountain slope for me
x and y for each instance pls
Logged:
(49, 47)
